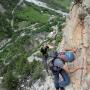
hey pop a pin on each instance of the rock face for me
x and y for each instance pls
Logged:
(77, 34)
(48, 85)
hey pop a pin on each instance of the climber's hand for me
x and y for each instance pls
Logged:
(74, 50)
(81, 67)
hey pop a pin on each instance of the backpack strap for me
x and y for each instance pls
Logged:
(55, 69)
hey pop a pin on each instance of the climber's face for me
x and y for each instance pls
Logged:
(63, 57)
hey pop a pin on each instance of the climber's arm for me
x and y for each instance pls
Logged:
(75, 69)
(72, 70)
(70, 49)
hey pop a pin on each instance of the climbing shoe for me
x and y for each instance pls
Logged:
(61, 88)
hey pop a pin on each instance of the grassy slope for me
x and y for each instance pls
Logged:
(8, 6)
(64, 3)
(59, 4)
(32, 15)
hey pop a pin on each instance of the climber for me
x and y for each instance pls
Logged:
(58, 67)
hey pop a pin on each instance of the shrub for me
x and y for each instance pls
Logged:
(10, 82)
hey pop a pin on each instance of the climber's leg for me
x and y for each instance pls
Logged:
(56, 81)
(57, 89)
(66, 79)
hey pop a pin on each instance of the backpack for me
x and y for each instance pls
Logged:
(70, 56)
(56, 66)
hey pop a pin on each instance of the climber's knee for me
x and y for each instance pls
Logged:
(67, 82)
(64, 83)
(66, 79)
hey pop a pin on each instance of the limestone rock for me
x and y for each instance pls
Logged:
(77, 34)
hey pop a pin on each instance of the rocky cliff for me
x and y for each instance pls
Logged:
(77, 34)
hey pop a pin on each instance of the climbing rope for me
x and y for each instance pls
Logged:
(70, 75)
(83, 56)
(81, 78)
(82, 72)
